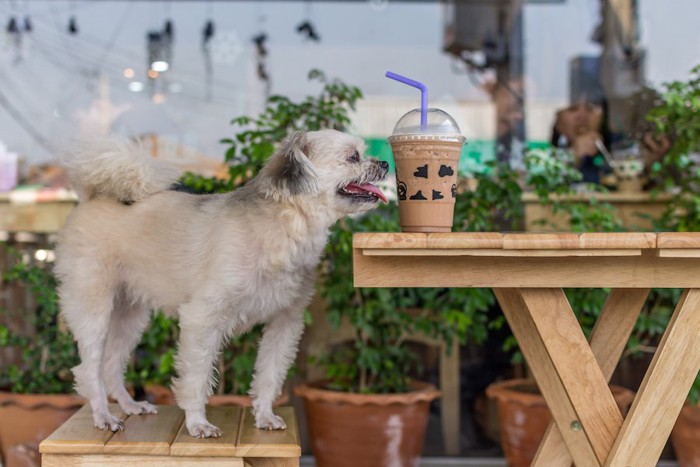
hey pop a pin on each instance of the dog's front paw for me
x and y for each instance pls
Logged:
(270, 422)
(138, 408)
(204, 430)
(108, 422)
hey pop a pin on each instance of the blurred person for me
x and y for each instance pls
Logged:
(581, 129)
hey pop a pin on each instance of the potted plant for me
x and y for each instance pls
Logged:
(677, 117)
(38, 391)
(686, 432)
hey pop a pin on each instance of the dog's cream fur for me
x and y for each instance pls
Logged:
(221, 263)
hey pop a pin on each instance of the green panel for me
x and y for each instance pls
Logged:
(475, 154)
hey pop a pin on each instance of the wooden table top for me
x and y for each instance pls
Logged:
(490, 259)
(527, 241)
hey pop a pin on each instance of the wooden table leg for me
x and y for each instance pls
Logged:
(608, 341)
(664, 389)
(566, 371)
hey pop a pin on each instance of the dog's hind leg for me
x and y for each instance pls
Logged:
(88, 315)
(278, 348)
(127, 323)
(200, 339)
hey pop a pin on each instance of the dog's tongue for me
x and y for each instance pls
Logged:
(366, 187)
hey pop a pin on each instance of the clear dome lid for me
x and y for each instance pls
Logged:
(439, 122)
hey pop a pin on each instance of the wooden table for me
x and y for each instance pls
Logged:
(162, 440)
(527, 273)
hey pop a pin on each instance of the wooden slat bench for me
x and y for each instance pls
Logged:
(162, 440)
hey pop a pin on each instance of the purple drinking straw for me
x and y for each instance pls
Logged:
(423, 95)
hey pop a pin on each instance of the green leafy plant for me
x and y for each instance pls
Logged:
(379, 358)
(154, 358)
(678, 118)
(48, 353)
(255, 139)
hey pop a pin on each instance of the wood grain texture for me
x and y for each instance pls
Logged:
(148, 434)
(519, 318)
(253, 442)
(78, 435)
(228, 419)
(645, 271)
(608, 341)
(465, 240)
(543, 241)
(664, 389)
(576, 367)
(641, 240)
(678, 240)
(271, 462)
(680, 253)
(390, 240)
(540, 253)
(113, 460)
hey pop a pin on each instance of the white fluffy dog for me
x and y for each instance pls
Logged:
(221, 263)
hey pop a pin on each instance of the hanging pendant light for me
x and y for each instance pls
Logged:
(12, 26)
(208, 32)
(72, 26)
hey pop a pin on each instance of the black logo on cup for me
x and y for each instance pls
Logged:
(454, 191)
(421, 172)
(401, 190)
(446, 171)
(437, 195)
(418, 196)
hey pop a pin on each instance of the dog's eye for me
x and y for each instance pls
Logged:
(355, 157)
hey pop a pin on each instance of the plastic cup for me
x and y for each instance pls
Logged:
(426, 159)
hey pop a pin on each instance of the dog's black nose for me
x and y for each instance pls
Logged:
(384, 165)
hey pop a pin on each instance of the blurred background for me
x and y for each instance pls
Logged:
(501, 68)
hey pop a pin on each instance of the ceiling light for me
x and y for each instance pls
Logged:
(160, 66)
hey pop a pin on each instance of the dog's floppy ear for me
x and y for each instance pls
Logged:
(289, 171)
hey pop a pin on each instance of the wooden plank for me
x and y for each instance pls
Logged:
(271, 462)
(678, 240)
(113, 460)
(78, 434)
(390, 240)
(493, 252)
(608, 341)
(543, 241)
(148, 434)
(466, 240)
(228, 419)
(621, 240)
(647, 270)
(519, 318)
(680, 253)
(664, 389)
(577, 369)
(253, 442)
(496, 240)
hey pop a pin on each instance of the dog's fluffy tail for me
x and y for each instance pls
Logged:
(115, 168)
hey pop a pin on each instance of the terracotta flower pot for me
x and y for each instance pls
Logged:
(27, 419)
(686, 436)
(349, 430)
(523, 417)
